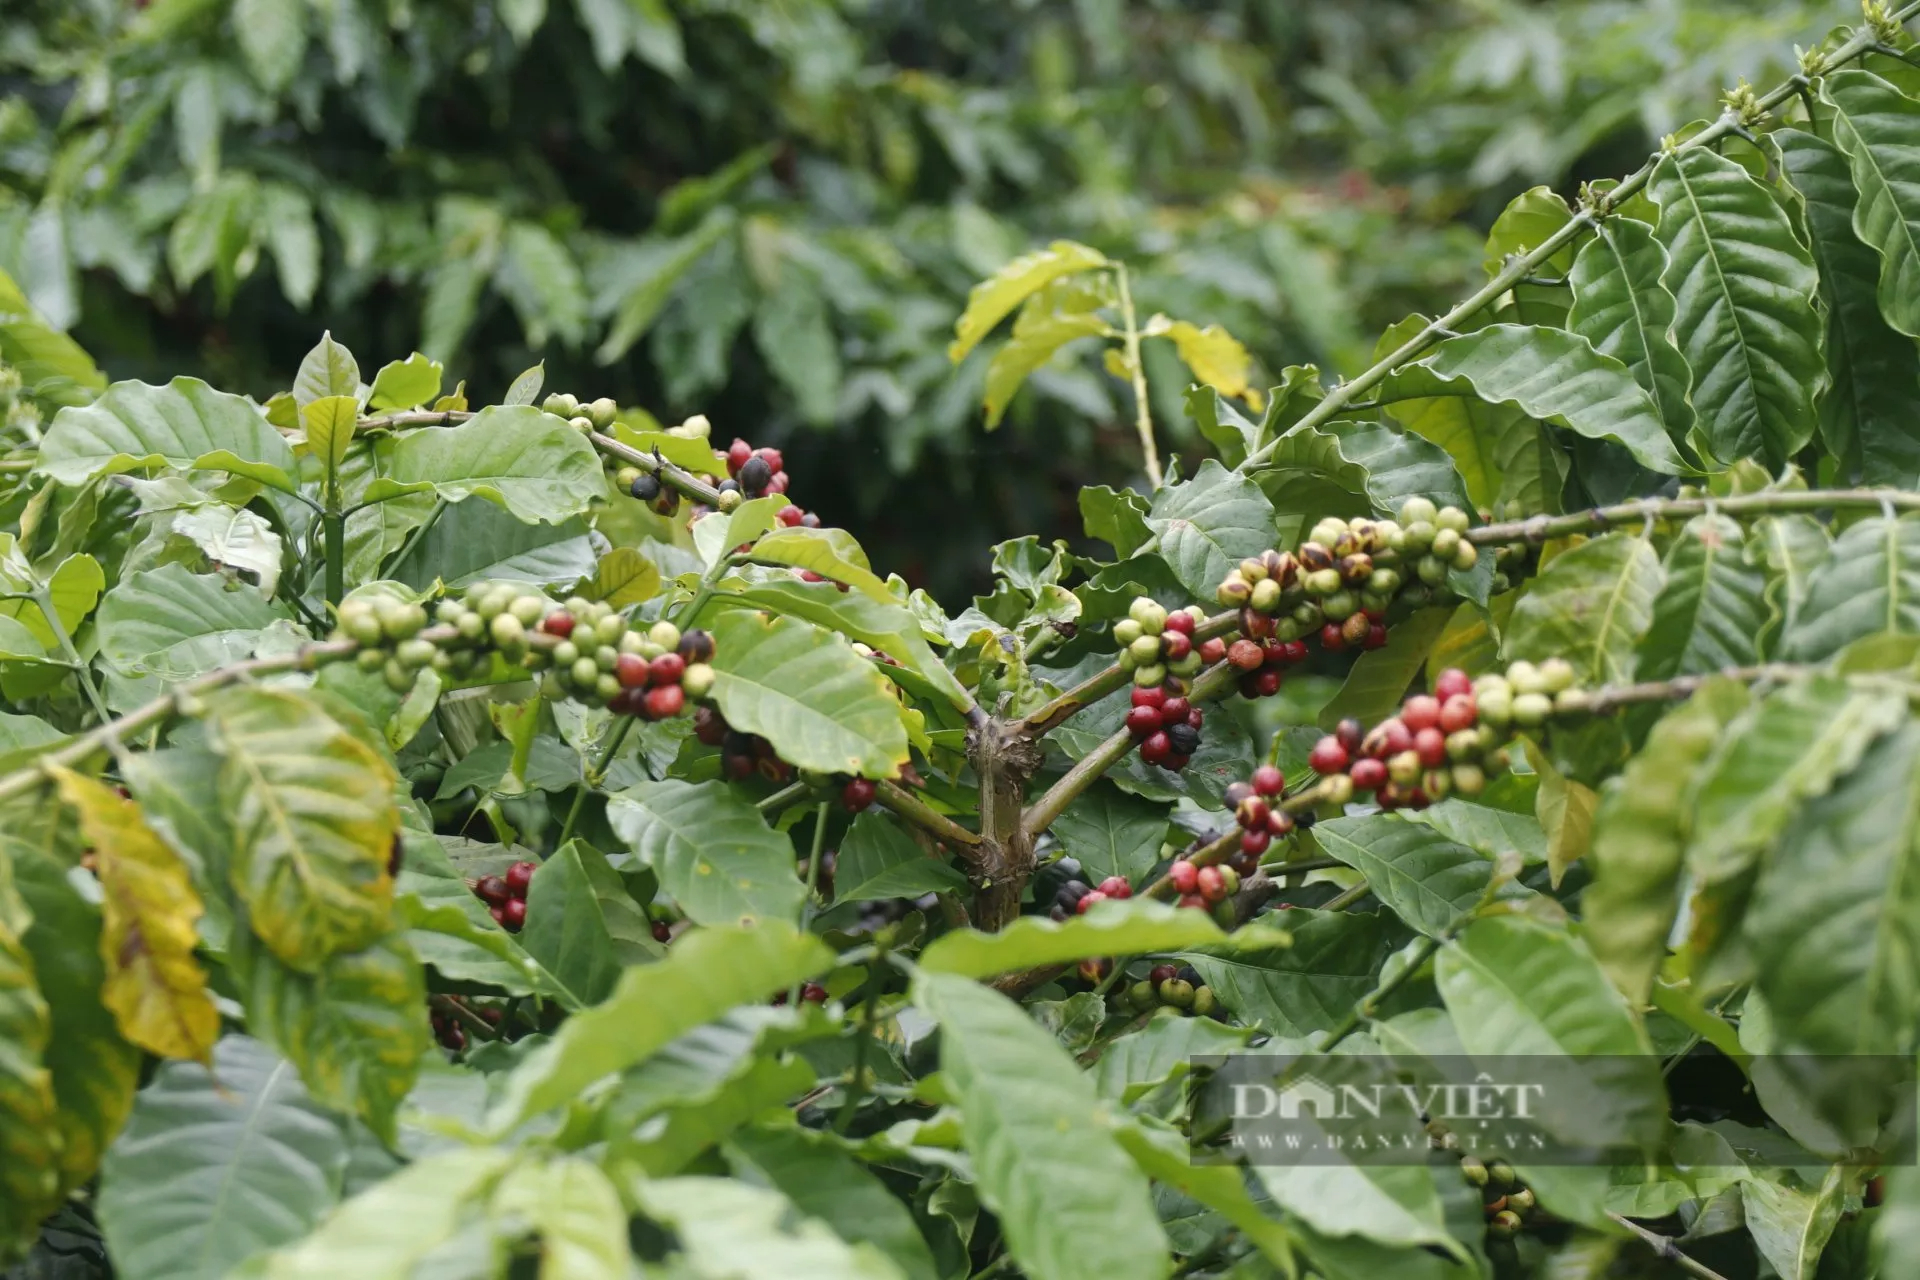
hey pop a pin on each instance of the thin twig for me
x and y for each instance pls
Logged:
(1107, 679)
(1667, 1250)
(458, 1011)
(1137, 370)
(914, 810)
(1537, 529)
(677, 478)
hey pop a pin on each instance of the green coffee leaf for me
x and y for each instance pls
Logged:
(329, 423)
(1502, 454)
(623, 578)
(185, 425)
(1112, 833)
(531, 463)
(575, 1211)
(478, 542)
(451, 929)
(1124, 928)
(1493, 831)
(1140, 1061)
(705, 973)
(1591, 606)
(1878, 128)
(173, 625)
(1166, 1158)
(994, 298)
(657, 267)
(793, 328)
(831, 553)
(405, 384)
(582, 925)
(1869, 584)
(1790, 1227)
(825, 1183)
(1711, 610)
(1070, 1202)
(1210, 523)
(356, 1028)
(1533, 217)
(1310, 985)
(806, 691)
(1379, 678)
(728, 1228)
(73, 588)
(1620, 306)
(311, 808)
(1864, 418)
(878, 859)
(686, 1128)
(382, 1233)
(1383, 463)
(712, 850)
(1743, 288)
(327, 370)
(1426, 879)
(1550, 375)
(1640, 838)
(218, 1164)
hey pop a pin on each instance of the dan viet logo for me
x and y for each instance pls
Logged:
(1308, 1098)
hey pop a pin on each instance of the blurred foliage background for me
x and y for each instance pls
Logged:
(770, 210)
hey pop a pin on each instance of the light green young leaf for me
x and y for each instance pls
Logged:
(831, 553)
(1032, 345)
(404, 384)
(172, 624)
(327, 370)
(994, 298)
(729, 1228)
(384, 1231)
(1043, 1143)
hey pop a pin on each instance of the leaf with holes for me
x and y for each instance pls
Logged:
(311, 808)
(806, 691)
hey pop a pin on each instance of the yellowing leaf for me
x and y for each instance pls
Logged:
(1216, 358)
(994, 298)
(1565, 809)
(155, 987)
(329, 422)
(625, 577)
(29, 1135)
(1033, 345)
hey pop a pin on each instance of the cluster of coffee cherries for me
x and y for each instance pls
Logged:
(387, 629)
(1208, 888)
(1505, 1201)
(506, 894)
(1256, 808)
(1511, 560)
(595, 415)
(1167, 986)
(1158, 649)
(1076, 897)
(1261, 658)
(652, 673)
(810, 993)
(754, 473)
(447, 1029)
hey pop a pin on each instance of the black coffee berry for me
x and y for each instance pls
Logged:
(755, 476)
(646, 487)
(1183, 738)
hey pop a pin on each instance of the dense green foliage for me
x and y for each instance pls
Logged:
(498, 836)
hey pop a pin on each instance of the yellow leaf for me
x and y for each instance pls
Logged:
(30, 1140)
(992, 299)
(154, 986)
(1565, 809)
(1217, 359)
(454, 403)
(1032, 346)
(625, 577)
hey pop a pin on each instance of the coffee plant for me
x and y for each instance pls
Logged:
(525, 840)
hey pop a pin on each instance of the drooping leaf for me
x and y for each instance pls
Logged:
(185, 425)
(1210, 523)
(1033, 344)
(154, 985)
(218, 1163)
(1112, 833)
(1590, 606)
(530, 462)
(1429, 881)
(1640, 836)
(1622, 308)
(1869, 584)
(1309, 986)
(1565, 807)
(582, 925)
(356, 1029)
(1124, 928)
(705, 973)
(1878, 128)
(995, 297)
(806, 691)
(1551, 375)
(234, 538)
(1743, 288)
(1863, 418)
(1046, 1158)
(1215, 357)
(311, 808)
(1711, 611)
(879, 860)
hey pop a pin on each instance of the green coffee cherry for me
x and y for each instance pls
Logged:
(507, 631)
(415, 653)
(1150, 675)
(606, 685)
(729, 500)
(602, 412)
(1530, 710)
(561, 405)
(1445, 543)
(1125, 632)
(1203, 1001)
(1418, 510)
(1145, 649)
(1556, 675)
(582, 424)
(664, 634)
(1453, 520)
(697, 680)
(528, 609)
(1526, 678)
(1265, 596)
(565, 654)
(1141, 996)
(1177, 993)
(372, 658)
(1432, 570)
(584, 671)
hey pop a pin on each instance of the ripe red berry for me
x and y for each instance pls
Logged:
(1331, 638)
(1115, 887)
(1280, 824)
(1212, 886)
(1376, 637)
(665, 702)
(1180, 622)
(662, 931)
(1420, 712)
(1193, 900)
(813, 993)
(1246, 654)
(1175, 709)
(1175, 763)
(1184, 875)
(1368, 774)
(790, 515)
(778, 484)
(519, 876)
(1351, 734)
(1269, 781)
(498, 913)
(1174, 646)
(771, 456)
(666, 669)
(1388, 738)
(1255, 842)
(1252, 813)
(1195, 719)
(632, 671)
(1152, 695)
(1142, 721)
(1162, 973)
(1458, 712)
(558, 623)
(1431, 746)
(858, 794)
(492, 889)
(737, 454)
(513, 913)
(1213, 651)
(1273, 652)
(1265, 684)
(1293, 651)
(1156, 748)
(1087, 900)
(1327, 756)
(1452, 683)
(708, 725)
